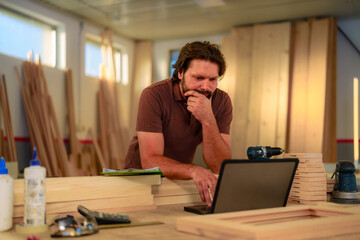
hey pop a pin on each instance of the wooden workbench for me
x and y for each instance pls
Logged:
(142, 198)
(165, 213)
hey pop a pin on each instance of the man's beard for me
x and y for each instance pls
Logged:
(207, 94)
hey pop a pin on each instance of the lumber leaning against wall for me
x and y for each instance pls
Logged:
(312, 118)
(7, 149)
(258, 60)
(266, 63)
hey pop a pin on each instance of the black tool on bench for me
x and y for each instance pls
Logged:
(104, 218)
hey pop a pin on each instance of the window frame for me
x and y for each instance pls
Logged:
(40, 22)
(117, 48)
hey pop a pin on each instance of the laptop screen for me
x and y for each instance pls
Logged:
(253, 184)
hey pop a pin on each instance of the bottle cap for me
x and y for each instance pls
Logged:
(35, 161)
(3, 169)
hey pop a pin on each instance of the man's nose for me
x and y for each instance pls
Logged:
(205, 85)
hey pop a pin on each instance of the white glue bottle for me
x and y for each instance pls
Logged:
(35, 201)
(6, 197)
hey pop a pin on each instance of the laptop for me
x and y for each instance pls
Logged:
(251, 184)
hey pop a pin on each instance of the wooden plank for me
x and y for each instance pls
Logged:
(97, 149)
(274, 94)
(318, 50)
(103, 142)
(299, 88)
(329, 136)
(309, 179)
(175, 199)
(2, 144)
(174, 188)
(44, 109)
(255, 88)
(7, 123)
(308, 195)
(73, 141)
(60, 144)
(11, 140)
(308, 184)
(237, 49)
(310, 170)
(76, 214)
(41, 106)
(310, 164)
(77, 188)
(33, 124)
(309, 188)
(122, 137)
(94, 204)
(303, 156)
(311, 174)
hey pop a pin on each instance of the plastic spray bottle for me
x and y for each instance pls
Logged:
(6, 197)
(35, 201)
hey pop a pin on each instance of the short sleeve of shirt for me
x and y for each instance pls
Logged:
(149, 117)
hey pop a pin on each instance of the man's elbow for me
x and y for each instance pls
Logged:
(148, 161)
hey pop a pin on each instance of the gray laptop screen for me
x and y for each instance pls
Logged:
(253, 184)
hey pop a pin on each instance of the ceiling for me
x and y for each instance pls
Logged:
(167, 19)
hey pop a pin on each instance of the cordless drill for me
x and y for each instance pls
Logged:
(261, 152)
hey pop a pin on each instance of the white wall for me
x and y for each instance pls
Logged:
(348, 67)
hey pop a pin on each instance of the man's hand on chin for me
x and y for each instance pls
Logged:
(200, 106)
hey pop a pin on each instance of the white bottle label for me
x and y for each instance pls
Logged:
(6, 202)
(35, 202)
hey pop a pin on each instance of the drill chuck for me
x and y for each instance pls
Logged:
(261, 152)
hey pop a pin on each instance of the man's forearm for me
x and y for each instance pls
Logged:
(170, 167)
(215, 149)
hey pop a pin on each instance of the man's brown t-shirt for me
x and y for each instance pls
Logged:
(162, 109)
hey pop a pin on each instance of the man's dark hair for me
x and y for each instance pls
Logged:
(198, 50)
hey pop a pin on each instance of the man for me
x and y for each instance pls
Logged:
(177, 114)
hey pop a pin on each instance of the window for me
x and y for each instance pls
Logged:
(93, 58)
(20, 34)
(94, 61)
(118, 65)
(174, 54)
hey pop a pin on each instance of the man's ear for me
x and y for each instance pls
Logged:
(181, 74)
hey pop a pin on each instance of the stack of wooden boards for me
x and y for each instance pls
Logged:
(309, 185)
(108, 194)
(43, 126)
(113, 138)
(175, 191)
(330, 182)
(296, 222)
(44, 129)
